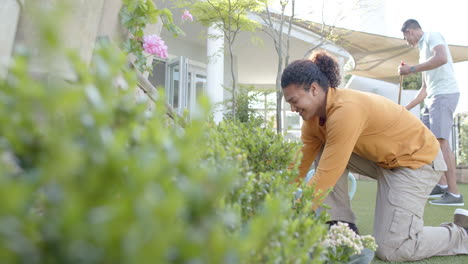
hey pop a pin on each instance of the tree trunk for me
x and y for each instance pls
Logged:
(279, 96)
(234, 89)
(279, 92)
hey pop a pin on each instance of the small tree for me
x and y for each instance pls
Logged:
(231, 17)
(326, 29)
(135, 16)
(275, 29)
(278, 25)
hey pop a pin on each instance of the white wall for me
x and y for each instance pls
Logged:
(258, 60)
(78, 32)
(386, 89)
(9, 16)
(179, 47)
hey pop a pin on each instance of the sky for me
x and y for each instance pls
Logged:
(385, 17)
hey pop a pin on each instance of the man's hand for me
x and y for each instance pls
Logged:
(404, 69)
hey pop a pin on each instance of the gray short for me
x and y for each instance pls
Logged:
(437, 114)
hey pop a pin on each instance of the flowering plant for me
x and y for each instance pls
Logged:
(187, 16)
(153, 44)
(341, 243)
(135, 15)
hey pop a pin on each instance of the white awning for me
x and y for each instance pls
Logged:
(378, 56)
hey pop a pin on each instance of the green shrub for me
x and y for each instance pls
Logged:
(266, 154)
(98, 182)
(263, 195)
(462, 122)
(87, 177)
(246, 95)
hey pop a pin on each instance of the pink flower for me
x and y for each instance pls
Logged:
(187, 16)
(153, 44)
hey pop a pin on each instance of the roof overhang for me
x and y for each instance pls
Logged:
(376, 56)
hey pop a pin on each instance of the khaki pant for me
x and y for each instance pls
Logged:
(401, 196)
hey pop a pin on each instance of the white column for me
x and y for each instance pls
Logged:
(215, 70)
(9, 15)
(77, 31)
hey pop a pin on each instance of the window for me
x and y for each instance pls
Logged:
(158, 78)
(183, 81)
(176, 83)
(265, 105)
(196, 85)
(292, 122)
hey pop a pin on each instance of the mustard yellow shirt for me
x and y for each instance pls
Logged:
(369, 125)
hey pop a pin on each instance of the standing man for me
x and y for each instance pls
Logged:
(440, 94)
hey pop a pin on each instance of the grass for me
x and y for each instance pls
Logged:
(364, 203)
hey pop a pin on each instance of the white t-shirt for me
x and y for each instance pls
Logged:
(440, 80)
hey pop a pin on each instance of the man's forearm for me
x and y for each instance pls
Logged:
(439, 58)
(419, 97)
(431, 64)
(414, 103)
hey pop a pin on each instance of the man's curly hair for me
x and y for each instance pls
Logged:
(321, 67)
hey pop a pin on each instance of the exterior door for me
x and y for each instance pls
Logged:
(196, 85)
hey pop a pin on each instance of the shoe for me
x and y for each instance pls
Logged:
(460, 218)
(437, 191)
(449, 199)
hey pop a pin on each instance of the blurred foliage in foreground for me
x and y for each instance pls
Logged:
(92, 179)
(87, 177)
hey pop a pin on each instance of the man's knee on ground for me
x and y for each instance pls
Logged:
(405, 252)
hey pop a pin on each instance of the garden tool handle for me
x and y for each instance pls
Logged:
(401, 85)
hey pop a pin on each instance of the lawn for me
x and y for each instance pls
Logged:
(364, 204)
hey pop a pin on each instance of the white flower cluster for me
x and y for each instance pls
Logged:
(340, 235)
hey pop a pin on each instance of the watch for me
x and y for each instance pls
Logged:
(412, 69)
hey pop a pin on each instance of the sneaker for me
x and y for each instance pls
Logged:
(437, 191)
(460, 218)
(449, 199)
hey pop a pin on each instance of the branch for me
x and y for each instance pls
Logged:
(146, 86)
(229, 17)
(291, 18)
(269, 29)
(218, 10)
(280, 30)
(270, 23)
(237, 23)
(313, 48)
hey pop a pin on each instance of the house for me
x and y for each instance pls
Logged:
(198, 65)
